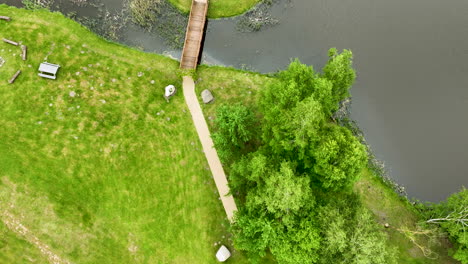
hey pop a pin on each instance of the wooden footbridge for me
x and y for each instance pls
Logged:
(194, 34)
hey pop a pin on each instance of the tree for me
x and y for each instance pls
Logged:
(301, 155)
(234, 128)
(277, 212)
(292, 242)
(298, 243)
(339, 158)
(282, 193)
(453, 217)
(350, 234)
(253, 233)
(248, 172)
(339, 71)
(292, 86)
(306, 121)
(323, 94)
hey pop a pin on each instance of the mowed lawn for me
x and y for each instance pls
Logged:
(96, 166)
(218, 8)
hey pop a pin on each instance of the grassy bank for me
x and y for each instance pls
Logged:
(218, 8)
(96, 165)
(415, 245)
(413, 242)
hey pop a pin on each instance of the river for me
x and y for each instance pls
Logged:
(411, 57)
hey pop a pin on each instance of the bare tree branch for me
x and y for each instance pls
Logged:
(460, 217)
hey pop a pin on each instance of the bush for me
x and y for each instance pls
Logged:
(234, 128)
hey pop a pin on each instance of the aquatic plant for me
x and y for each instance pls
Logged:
(144, 12)
(37, 4)
(257, 18)
(106, 24)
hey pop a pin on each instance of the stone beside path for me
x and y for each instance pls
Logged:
(206, 96)
(208, 146)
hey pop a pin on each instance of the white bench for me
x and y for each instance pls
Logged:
(48, 70)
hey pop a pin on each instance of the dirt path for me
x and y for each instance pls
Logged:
(15, 225)
(208, 146)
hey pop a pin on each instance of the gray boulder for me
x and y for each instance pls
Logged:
(207, 97)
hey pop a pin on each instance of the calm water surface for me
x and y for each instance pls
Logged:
(411, 56)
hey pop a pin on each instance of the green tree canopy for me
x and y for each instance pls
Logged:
(282, 193)
(340, 72)
(350, 234)
(339, 158)
(234, 126)
(452, 215)
(301, 155)
(276, 100)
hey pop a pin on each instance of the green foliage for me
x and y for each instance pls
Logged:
(323, 94)
(297, 243)
(278, 100)
(277, 212)
(234, 129)
(281, 193)
(350, 234)
(296, 83)
(339, 158)
(253, 234)
(295, 240)
(307, 155)
(453, 217)
(304, 126)
(340, 72)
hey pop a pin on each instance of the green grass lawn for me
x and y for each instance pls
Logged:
(228, 86)
(232, 86)
(14, 249)
(96, 165)
(218, 8)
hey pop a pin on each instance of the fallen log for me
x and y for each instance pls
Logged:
(24, 49)
(12, 80)
(10, 42)
(5, 18)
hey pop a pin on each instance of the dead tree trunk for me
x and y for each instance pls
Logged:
(10, 42)
(5, 18)
(12, 80)
(24, 49)
(456, 217)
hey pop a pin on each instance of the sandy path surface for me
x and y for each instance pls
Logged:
(208, 146)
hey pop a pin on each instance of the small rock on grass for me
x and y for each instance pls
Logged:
(207, 97)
